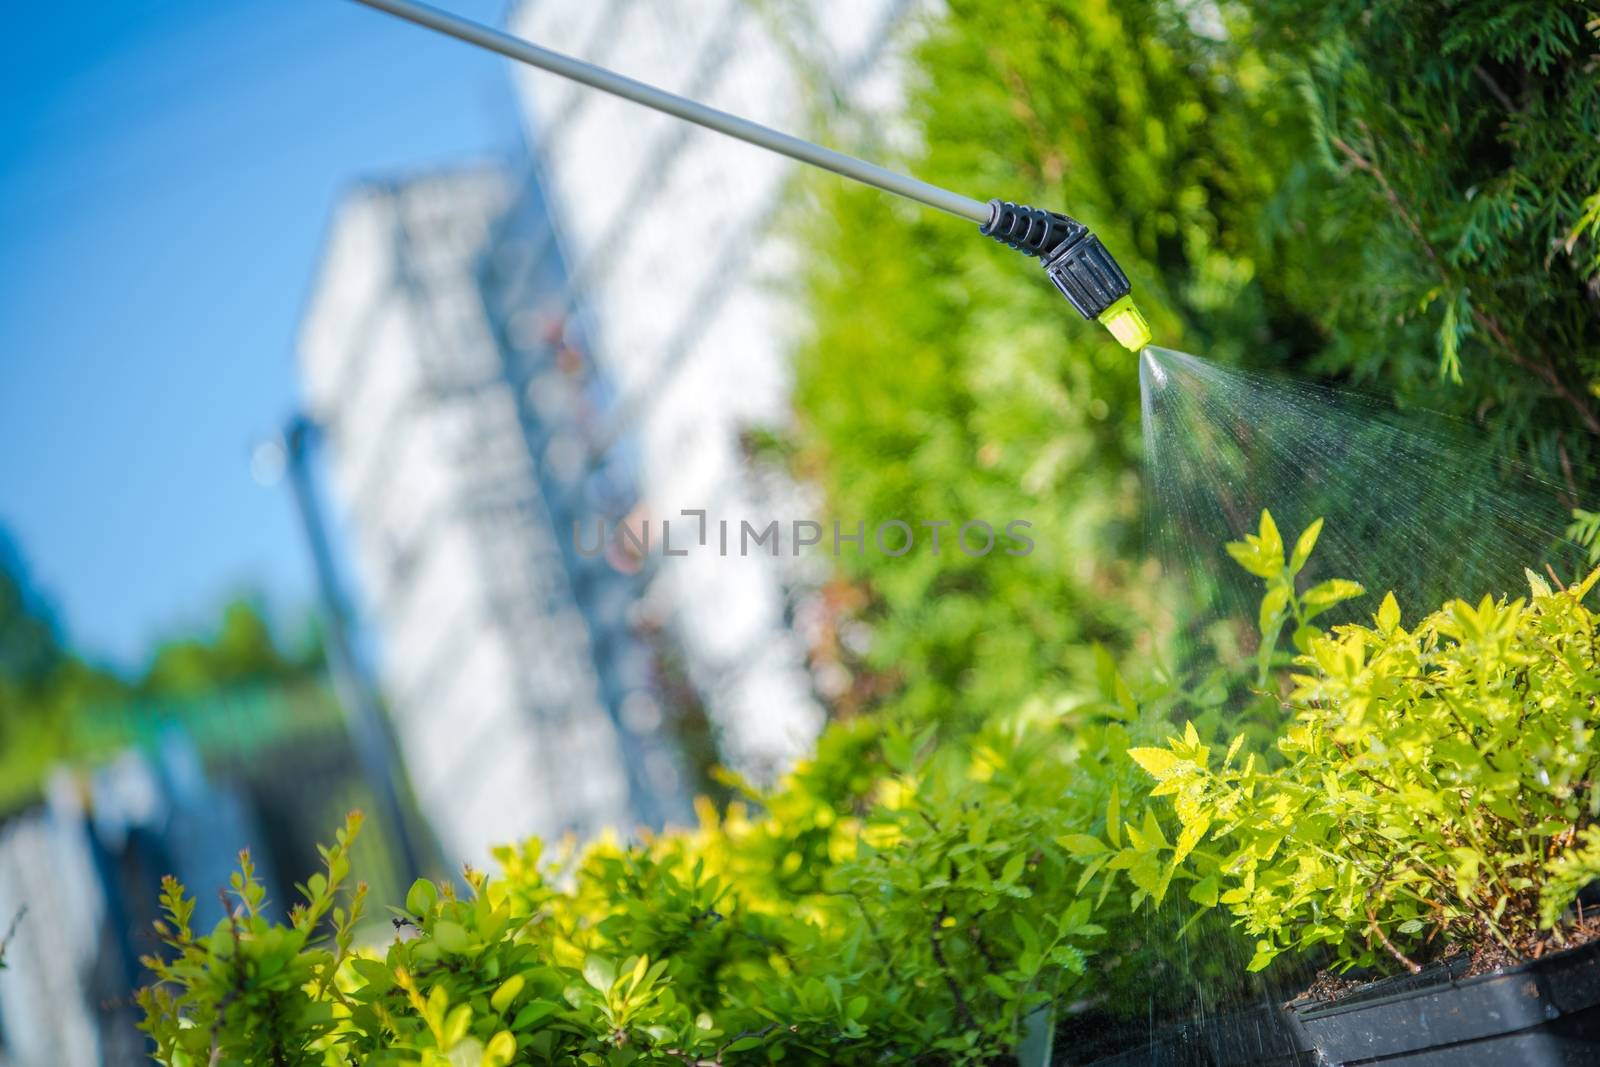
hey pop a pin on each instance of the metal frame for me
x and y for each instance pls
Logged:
(689, 110)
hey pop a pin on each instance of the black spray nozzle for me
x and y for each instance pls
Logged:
(1077, 262)
(1030, 230)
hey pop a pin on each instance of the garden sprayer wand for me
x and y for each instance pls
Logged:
(1075, 260)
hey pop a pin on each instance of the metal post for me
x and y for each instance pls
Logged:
(369, 731)
(689, 110)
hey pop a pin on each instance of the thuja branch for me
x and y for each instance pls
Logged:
(1540, 367)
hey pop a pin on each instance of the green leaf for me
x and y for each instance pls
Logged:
(375, 973)
(1147, 872)
(1082, 844)
(1324, 595)
(500, 1051)
(507, 993)
(455, 1027)
(533, 1012)
(1537, 586)
(1388, 617)
(1271, 540)
(451, 937)
(1249, 557)
(1274, 605)
(1204, 892)
(641, 967)
(1025, 931)
(1089, 871)
(1159, 763)
(1191, 835)
(1303, 546)
(600, 973)
(1152, 834)
(421, 897)
(1125, 700)
(1304, 635)
(437, 1004)
(897, 751)
(1450, 342)
(1265, 954)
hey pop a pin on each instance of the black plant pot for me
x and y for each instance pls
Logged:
(1258, 1036)
(1543, 1013)
(1261, 1036)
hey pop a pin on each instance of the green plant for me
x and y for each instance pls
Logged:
(1262, 554)
(1457, 146)
(916, 895)
(1585, 532)
(943, 378)
(896, 900)
(263, 991)
(1400, 195)
(900, 898)
(1435, 787)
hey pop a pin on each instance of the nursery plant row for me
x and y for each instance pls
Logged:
(1410, 800)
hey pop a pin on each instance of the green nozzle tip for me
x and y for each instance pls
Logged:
(1126, 323)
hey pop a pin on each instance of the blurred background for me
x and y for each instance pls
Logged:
(321, 335)
(325, 342)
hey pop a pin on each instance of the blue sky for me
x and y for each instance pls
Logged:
(167, 170)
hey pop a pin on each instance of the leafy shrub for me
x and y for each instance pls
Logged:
(943, 378)
(1401, 195)
(902, 898)
(894, 901)
(1461, 139)
(263, 991)
(1436, 785)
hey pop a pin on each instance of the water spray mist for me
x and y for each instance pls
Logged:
(1074, 259)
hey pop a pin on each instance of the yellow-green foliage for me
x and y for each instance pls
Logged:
(905, 898)
(249, 983)
(891, 902)
(1403, 195)
(944, 378)
(1435, 786)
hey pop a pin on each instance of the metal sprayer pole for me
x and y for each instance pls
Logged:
(661, 100)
